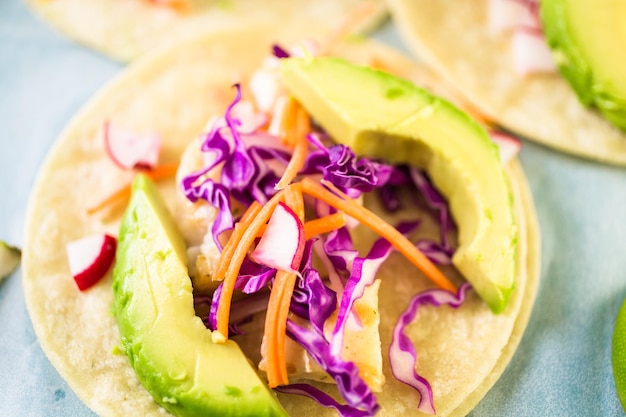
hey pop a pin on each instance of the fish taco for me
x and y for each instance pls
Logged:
(527, 66)
(292, 232)
(126, 29)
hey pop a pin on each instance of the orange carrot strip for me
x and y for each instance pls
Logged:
(288, 122)
(324, 224)
(295, 201)
(158, 173)
(278, 305)
(178, 5)
(239, 254)
(276, 328)
(235, 237)
(319, 226)
(384, 229)
(120, 195)
(298, 157)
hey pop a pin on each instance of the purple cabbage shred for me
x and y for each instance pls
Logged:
(280, 52)
(402, 354)
(352, 388)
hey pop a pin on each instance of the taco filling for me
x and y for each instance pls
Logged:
(269, 192)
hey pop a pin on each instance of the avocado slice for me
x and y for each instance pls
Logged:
(10, 257)
(168, 346)
(383, 116)
(588, 40)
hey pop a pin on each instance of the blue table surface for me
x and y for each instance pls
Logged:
(562, 367)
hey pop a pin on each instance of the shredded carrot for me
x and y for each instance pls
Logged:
(358, 16)
(235, 237)
(384, 229)
(298, 158)
(123, 194)
(234, 263)
(324, 224)
(295, 201)
(276, 328)
(178, 5)
(319, 226)
(278, 305)
(233, 240)
(289, 122)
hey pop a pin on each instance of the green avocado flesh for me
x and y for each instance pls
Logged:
(9, 259)
(588, 40)
(379, 115)
(167, 344)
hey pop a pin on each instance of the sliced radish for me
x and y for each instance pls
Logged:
(90, 258)
(531, 54)
(282, 244)
(505, 15)
(509, 145)
(265, 88)
(250, 120)
(131, 150)
(306, 48)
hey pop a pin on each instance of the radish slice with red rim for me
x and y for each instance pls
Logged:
(531, 54)
(508, 145)
(130, 150)
(250, 121)
(282, 244)
(90, 259)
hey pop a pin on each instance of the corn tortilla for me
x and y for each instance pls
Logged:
(461, 352)
(126, 29)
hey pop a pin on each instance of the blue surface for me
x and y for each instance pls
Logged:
(562, 367)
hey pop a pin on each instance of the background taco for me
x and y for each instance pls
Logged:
(458, 41)
(77, 331)
(125, 29)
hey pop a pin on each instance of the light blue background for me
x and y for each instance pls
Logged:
(562, 367)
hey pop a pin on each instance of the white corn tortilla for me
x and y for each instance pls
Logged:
(461, 352)
(453, 38)
(126, 29)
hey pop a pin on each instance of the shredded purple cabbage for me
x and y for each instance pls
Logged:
(402, 354)
(312, 300)
(435, 252)
(363, 273)
(340, 250)
(351, 174)
(346, 171)
(280, 52)
(251, 164)
(242, 311)
(239, 169)
(435, 201)
(245, 174)
(217, 195)
(322, 399)
(346, 374)
(251, 279)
